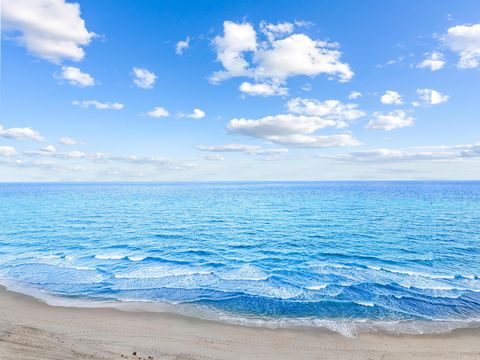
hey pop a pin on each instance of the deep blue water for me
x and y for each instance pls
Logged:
(381, 251)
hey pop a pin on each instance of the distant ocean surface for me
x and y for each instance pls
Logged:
(344, 255)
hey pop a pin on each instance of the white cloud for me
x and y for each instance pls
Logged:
(300, 55)
(50, 29)
(21, 134)
(354, 95)
(432, 97)
(433, 61)
(75, 76)
(98, 105)
(7, 151)
(244, 148)
(272, 31)
(317, 141)
(465, 40)
(158, 112)
(143, 78)
(328, 109)
(289, 129)
(298, 127)
(182, 45)
(428, 153)
(67, 141)
(278, 58)
(195, 114)
(236, 40)
(49, 149)
(262, 89)
(391, 98)
(213, 157)
(389, 121)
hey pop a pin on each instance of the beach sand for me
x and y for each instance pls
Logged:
(32, 329)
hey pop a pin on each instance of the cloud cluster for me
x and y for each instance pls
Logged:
(388, 121)
(354, 95)
(333, 110)
(75, 76)
(433, 61)
(51, 152)
(21, 134)
(298, 128)
(195, 114)
(182, 45)
(432, 97)
(7, 151)
(391, 98)
(243, 148)
(98, 105)
(143, 78)
(50, 29)
(465, 41)
(262, 89)
(429, 153)
(158, 112)
(68, 141)
(281, 55)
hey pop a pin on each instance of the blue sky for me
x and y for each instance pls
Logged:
(239, 90)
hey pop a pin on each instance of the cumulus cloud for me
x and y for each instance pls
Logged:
(273, 31)
(195, 114)
(158, 112)
(391, 98)
(50, 29)
(182, 45)
(328, 109)
(21, 134)
(282, 55)
(98, 105)
(67, 141)
(433, 61)
(354, 95)
(243, 148)
(298, 127)
(7, 151)
(143, 78)
(289, 129)
(262, 89)
(431, 97)
(75, 76)
(465, 41)
(389, 121)
(236, 40)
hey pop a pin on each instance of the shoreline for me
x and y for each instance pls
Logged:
(350, 328)
(32, 329)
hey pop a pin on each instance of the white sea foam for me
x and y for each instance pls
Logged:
(246, 272)
(317, 287)
(159, 271)
(109, 256)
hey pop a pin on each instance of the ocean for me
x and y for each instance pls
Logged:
(349, 256)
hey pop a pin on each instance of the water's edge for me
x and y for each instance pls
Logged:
(350, 328)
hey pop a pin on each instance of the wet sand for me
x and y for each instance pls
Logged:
(32, 329)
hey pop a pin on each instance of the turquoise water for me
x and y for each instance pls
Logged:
(316, 252)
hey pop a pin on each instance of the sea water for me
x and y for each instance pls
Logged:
(270, 253)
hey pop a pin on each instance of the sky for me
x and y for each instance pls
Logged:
(239, 90)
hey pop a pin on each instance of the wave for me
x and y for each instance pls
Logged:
(347, 327)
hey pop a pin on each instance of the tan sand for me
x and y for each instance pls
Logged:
(31, 329)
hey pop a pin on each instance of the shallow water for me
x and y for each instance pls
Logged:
(322, 251)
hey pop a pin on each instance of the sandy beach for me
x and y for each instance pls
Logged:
(32, 329)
